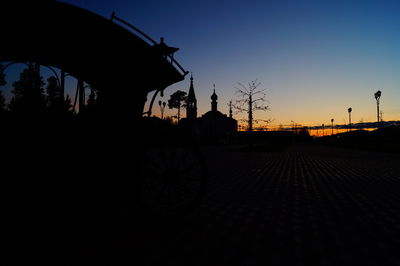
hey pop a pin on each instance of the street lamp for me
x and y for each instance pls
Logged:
(332, 125)
(377, 98)
(349, 110)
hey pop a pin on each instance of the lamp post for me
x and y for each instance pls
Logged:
(377, 98)
(349, 110)
(332, 125)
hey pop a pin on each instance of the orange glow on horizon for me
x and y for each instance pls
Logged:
(328, 131)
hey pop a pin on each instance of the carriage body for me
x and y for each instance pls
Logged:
(100, 155)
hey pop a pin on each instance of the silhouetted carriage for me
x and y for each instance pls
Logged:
(123, 68)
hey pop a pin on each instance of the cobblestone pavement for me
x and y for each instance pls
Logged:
(307, 205)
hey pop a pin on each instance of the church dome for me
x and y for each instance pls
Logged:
(214, 96)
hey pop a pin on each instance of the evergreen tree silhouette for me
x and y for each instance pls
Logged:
(28, 94)
(53, 93)
(88, 109)
(57, 106)
(177, 101)
(91, 102)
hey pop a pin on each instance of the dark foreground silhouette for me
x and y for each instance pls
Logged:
(104, 189)
(62, 170)
(306, 205)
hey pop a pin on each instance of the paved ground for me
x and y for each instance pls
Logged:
(307, 205)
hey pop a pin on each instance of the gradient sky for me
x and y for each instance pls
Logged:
(315, 58)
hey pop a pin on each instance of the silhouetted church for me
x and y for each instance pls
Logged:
(191, 106)
(211, 124)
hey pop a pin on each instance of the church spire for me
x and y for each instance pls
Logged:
(214, 102)
(191, 81)
(191, 109)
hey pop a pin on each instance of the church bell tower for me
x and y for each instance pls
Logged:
(214, 102)
(191, 108)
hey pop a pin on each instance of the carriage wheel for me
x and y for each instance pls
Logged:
(173, 180)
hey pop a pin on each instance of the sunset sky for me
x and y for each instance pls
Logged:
(315, 58)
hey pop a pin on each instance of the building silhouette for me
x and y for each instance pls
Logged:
(191, 107)
(211, 125)
(214, 103)
(214, 123)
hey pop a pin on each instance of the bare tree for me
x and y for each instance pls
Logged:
(252, 99)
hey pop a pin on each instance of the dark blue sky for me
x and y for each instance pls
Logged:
(315, 58)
